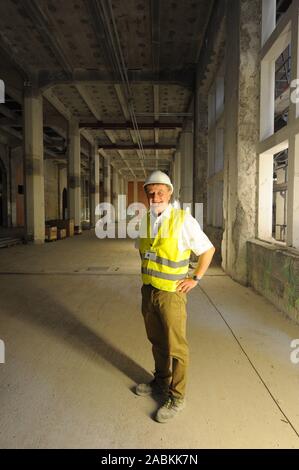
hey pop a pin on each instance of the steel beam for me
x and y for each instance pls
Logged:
(120, 146)
(129, 126)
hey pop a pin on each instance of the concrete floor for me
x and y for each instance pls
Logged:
(75, 346)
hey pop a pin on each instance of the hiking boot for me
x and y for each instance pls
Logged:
(170, 409)
(151, 388)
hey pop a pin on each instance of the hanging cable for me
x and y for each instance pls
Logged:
(119, 66)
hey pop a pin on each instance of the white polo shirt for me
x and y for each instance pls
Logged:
(191, 237)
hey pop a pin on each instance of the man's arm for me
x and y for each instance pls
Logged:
(204, 261)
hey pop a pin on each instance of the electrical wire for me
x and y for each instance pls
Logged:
(119, 66)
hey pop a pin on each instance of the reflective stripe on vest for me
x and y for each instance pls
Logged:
(172, 264)
(171, 277)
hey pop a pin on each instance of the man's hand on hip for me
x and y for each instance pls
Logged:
(185, 285)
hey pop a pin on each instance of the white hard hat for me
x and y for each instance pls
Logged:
(158, 177)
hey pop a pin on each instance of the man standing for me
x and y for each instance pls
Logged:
(167, 237)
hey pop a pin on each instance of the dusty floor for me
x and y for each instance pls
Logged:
(75, 346)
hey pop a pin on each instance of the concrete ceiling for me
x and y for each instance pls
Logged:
(108, 63)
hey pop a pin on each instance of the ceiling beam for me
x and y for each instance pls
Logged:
(146, 163)
(146, 160)
(49, 78)
(165, 114)
(133, 134)
(123, 103)
(155, 22)
(96, 113)
(211, 55)
(89, 102)
(125, 110)
(8, 113)
(99, 24)
(53, 120)
(113, 141)
(84, 151)
(95, 9)
(139, 168)
(65, 112)
(13, 132)
(129, 126)
(43, 24)
(124, 159)
(50, 155)
(120, 146)
(127, 168)
(12, 78)
(156, 113)
(5, 121)
(9, 55)
(198, 41)
(156, 103)
(47, 31)
(58, 105)
(87, 136)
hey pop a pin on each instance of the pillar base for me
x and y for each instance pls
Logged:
(77, 230)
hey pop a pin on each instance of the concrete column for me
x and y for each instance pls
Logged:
(121, 184)
(135, 191)
(186, 152)
(34, 165)
(125, 187)
(107, 179)
(74, 174)
(101, 167)
(177, 175)
(94, 185)
(242, 132)
(115, 186)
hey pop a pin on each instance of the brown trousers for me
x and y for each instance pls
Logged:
(165, 318)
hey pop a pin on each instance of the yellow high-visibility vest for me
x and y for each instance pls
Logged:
(163, 264)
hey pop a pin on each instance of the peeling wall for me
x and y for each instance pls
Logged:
(215, 235)
(274, 273)
(211, 57)
(241, 133)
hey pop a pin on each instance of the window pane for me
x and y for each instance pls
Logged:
(282, 88)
